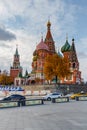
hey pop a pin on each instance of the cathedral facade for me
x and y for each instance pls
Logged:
(46, 47)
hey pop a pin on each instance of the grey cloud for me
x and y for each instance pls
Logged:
(6, 35)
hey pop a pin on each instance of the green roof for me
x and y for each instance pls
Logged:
(16, 52)
(20, 75)
(66, 47)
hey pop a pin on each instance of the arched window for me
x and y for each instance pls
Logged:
(74, 65)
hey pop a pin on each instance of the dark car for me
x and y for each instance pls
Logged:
(14, 97)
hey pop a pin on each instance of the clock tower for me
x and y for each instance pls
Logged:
(16, 68)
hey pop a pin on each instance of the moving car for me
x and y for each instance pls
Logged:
(14, 97)
(82, 93)
(52, 95)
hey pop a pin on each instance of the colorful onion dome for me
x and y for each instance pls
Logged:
(35, 58)
(66, 47)
(42, 46)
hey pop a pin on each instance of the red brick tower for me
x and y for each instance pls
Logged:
(16, 68)
(49, 39)
(43, 49)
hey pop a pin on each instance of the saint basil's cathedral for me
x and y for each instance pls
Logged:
(44, 48)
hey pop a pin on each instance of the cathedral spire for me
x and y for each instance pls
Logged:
(73, 46)
(49, 39)
(48, 25)
(73, 52)
(48, 35)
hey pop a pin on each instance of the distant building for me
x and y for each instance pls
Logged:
(16, 68)
(22, 80)
(69, 52)
(43, 49)
(47, 47)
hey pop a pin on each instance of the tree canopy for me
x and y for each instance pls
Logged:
(5, 79)
(56, 66)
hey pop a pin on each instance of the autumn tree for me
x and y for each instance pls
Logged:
(5, 79)
(56, 66)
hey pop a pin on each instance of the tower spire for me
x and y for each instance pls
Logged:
(15, 69)
(16, 52)
(73, 46)
(73, 52)
(66, 36)
(49, 40)
(48, 25)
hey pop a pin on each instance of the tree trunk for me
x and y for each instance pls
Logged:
(56, 79)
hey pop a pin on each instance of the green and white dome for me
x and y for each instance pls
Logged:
(66, 47)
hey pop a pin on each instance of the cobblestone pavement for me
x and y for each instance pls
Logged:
(58, 116)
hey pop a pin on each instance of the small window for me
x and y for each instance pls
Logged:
(74, 65)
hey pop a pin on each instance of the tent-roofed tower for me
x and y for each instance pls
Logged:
(16, 68)
(49, 39)
(43, 49)
(69, 52)
(73, 53)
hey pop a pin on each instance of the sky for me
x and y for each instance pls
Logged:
(23, 22)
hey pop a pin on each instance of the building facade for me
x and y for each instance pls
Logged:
(44, 48)
(69, 52)
(47, 47)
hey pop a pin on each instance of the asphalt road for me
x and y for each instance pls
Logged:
(50, 116)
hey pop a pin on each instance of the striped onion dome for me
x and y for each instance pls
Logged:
(66, 47)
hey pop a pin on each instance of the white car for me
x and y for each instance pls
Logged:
(52, 95)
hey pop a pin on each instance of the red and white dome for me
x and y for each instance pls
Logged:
(42, 46)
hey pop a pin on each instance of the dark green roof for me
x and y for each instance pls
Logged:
(26, 74)
(20, 75)
(66, 47)
(16, 52)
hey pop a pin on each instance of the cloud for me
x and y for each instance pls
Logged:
(24, 21)
(6, 35)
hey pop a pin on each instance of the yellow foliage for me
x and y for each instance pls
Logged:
(56, 66)
(5, 79)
